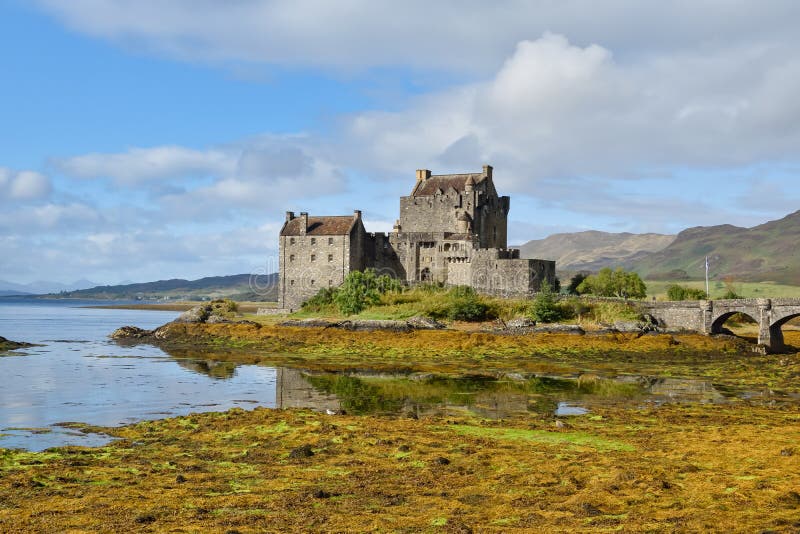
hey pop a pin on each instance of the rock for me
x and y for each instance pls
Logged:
(321, 494)
(560, 329)
(628, 327)
(144, 519)
(590, 509)
(180, 479)
(308, 323)
(7, 344)
(130, 332)
(419, 322)
(212, 319)
(787, 452)
(198, 314)
(404, 448)
(520, 322)
(372, 325)
(303, 451)
(441, 460)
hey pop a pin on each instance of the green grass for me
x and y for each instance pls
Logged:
(579, 439)
(658, 288)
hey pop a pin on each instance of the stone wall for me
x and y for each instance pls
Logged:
(690, 315)
(500, 272)
(311, 262)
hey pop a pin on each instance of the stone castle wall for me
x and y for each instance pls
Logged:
(501, 272)
(452, 230)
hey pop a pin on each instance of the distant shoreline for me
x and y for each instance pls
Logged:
(244, 307)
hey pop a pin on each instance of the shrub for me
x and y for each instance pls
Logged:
(224, 307)
(362, 289)
(678, 292)
(731, 294)
(465, 305)
(545, 307)
(323, 299)
(618, 283)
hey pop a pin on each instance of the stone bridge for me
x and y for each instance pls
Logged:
(708, 316)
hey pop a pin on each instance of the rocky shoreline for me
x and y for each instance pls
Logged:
(7, 344)
(216, 314)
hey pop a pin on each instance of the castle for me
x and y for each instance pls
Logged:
(452, 230)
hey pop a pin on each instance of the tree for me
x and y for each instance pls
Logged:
(678, 292)
(362, 289)
(545, 307)
(574, 282)
(617, 283)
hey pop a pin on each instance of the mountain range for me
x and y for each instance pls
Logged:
(237, 286)
(767, 252)
(592, 250)
(41, 287)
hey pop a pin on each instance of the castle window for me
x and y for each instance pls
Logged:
(291, 257)
(312, 281)
(291, 241)
(313, 240)
(330, 283)
(330, 257)
(291, 282)
(313, 257)
(330, 241)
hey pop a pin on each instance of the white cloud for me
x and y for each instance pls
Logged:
(23, 185)
(555, 110)
(261, 174)
(148, 164)
(444, 35)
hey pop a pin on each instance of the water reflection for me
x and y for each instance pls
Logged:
(415, 395)
(212, 368)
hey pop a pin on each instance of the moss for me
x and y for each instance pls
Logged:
(579, 439)
(684, 467)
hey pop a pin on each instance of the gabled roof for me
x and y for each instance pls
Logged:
(444, 182)
(327, 225)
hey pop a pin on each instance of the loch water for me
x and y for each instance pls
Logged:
(75, 373)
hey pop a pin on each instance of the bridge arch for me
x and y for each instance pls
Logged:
(776, 329)
(718, 320)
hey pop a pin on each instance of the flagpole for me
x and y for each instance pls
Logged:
(708, 295)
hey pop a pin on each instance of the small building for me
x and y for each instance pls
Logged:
(452, 230)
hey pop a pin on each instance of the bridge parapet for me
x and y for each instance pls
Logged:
(708, 316)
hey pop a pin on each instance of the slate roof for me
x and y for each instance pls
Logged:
(444, 182)
(328, 225)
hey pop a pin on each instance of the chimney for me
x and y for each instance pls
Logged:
(289, 216)
(423, 174)
(304, 224)
(487, 171)
(356, 214)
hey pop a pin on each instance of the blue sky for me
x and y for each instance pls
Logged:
(158, 139)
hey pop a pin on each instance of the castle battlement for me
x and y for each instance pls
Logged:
(452, 229)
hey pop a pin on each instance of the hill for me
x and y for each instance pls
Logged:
(236, 286)
(592, 250)
(767, 252)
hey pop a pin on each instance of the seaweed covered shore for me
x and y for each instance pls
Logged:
(724, 468)
(731, 466)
